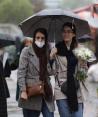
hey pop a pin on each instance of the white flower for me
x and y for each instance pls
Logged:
(83, 53)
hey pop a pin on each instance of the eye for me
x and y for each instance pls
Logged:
(68, 31)
(40, 38)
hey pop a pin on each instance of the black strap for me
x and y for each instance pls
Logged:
(84, 86)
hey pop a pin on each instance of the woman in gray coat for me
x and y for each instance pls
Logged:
(33, 67)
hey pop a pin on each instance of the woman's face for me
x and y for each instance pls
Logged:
(40, 37)
(67, 34)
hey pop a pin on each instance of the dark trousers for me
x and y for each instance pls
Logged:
(17, 92)
(33, 113)
(3, 107)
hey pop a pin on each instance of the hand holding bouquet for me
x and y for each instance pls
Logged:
(83, 54)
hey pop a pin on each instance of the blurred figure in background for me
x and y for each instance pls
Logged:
(91, 99)
(91, 83)
(27, 42)
(5, 71)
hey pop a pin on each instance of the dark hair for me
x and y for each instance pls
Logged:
(73, 27)
(41, 30)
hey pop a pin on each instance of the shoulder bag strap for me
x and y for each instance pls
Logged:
(56, 76)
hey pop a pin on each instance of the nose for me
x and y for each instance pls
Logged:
(40, 39)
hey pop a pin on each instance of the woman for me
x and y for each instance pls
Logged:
(69, 104)
(33, 67)
(4, 72)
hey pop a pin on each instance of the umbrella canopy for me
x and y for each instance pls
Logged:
(52, 20)
(85, 38)
(4, 42)
(9, 34)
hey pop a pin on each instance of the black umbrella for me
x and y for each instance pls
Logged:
(9, 34)
(4, 42)
(85, 38)
(52, 20)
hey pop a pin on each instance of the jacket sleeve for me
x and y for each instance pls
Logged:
(7, 69)
(23, 62)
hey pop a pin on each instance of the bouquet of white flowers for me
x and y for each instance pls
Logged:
(83, 54)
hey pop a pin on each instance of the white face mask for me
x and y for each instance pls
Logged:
(40, 44)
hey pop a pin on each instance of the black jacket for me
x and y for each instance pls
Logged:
(4, 72)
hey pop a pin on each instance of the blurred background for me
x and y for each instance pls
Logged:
(12, 11)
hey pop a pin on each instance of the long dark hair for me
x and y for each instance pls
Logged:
(43, 61)
(73, 27)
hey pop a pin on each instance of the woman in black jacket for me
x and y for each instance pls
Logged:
(4, 92)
